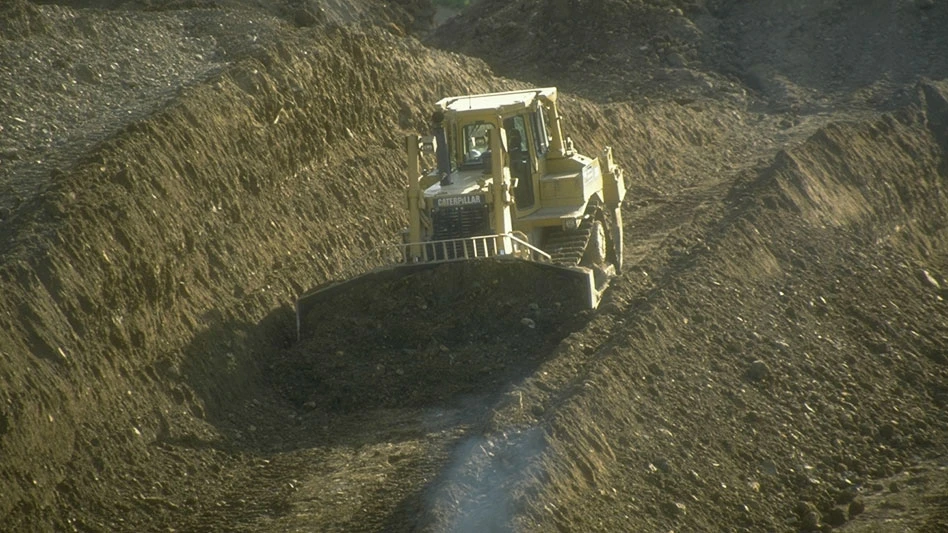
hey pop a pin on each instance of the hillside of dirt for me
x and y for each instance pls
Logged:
(774, 356)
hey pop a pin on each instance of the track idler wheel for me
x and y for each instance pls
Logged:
(596, 248)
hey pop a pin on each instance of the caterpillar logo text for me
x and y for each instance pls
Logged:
(459, 201)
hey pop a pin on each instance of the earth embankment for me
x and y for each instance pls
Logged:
(202, 218)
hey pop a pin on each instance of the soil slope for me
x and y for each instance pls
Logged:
(773, 358)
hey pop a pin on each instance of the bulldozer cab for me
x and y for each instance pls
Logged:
(517, 155)
(519, 119)
(503, 167)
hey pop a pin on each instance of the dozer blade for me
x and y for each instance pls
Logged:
(492, 280)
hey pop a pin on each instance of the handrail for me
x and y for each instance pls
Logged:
(444, 251)
(529, 246)
(480, 246)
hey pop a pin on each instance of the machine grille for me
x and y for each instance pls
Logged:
(458, 223)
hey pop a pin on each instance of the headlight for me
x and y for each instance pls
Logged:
(429, 144)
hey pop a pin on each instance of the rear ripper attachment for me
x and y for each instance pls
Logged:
(506, 185)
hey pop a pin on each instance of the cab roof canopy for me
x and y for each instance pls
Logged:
(498, 102)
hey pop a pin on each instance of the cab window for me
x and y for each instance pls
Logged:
(476, 141)
(516, 134)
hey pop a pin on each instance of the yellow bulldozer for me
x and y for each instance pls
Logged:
(496, 179)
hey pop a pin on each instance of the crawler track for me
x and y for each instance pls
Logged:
(567, 248)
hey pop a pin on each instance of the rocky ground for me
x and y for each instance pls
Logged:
(773, 358)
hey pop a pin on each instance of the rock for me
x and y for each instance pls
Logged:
(810, 517)
(856, 507)
(810, 520)
(878, 345)
(662, 465)
(528, 322)
(836, 517)
(676, 60)
(656, 370)
(929, 280)
(757, 371)
(886, 431)
(85, 74)
(673, 509)
(846, 496)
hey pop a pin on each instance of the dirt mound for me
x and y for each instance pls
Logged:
(816, 54)
(631, 48)
(88, 73)
(805, 56)
(426, 337)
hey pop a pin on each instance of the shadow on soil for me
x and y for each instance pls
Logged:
(428, 341)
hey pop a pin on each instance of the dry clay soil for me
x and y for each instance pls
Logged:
(773, 357)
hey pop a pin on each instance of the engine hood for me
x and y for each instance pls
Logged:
(462, 183)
